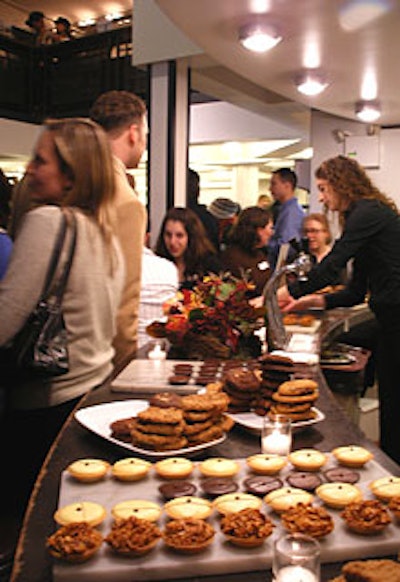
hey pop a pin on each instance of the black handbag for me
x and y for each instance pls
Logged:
(40, 348)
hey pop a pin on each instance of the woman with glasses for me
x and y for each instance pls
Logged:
(318, 234)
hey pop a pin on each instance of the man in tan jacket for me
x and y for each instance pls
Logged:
(123, 115)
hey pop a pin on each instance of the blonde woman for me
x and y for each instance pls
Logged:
(71, 166)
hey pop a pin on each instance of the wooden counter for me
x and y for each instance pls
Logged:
(32, 563)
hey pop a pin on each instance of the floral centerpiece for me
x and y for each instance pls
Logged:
(213, 318)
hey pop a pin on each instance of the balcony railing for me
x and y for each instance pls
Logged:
(64, 79)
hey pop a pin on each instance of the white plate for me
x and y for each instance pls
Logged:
(254, 422)
(99, 417)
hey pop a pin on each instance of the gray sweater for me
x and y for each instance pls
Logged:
(90, 304)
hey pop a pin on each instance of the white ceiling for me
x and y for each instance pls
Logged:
(351, 37)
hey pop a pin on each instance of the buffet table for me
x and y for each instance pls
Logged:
(33, 564)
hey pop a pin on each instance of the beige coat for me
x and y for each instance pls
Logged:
(131, 228)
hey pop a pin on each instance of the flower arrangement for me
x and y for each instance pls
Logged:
(212, 319)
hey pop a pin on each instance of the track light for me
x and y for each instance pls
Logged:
(311, 83)
(258, 38)
(368, 111)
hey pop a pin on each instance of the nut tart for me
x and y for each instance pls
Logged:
(74, 542)
(247, 528)
(133, 536)
(188, 535)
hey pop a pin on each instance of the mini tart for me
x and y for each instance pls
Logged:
(174, 468)
(352, 456)
(368, 517)
(81, 512)
(285, 497)
(88, 470)
(386, 487)
(338, 495)
(188, 506)
(188, 535)
(130, 469)
(132, 536)
(219, 467)
(307, 519)
(233, 502)
(264, 464)
(308, 459)
(74, 542)
(140, 508)
(247, 528)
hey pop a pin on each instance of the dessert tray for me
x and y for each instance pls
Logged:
(98, 418)
(254, 422)
(220, 558)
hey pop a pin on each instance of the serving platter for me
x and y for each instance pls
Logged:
(220, 558)
(254, 422)
(98, 418)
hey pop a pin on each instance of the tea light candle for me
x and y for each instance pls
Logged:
(157, 353)
(295, 574)
(276, 443)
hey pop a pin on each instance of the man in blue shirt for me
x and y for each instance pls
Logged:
(288, 225)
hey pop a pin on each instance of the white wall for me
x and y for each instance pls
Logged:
(325, 145)
(16, 140)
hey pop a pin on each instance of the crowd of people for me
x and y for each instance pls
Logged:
(118, 284)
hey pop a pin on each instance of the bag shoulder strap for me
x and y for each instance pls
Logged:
(55, 255)
(71, 221)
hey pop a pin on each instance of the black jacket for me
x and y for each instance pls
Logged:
(371, 236)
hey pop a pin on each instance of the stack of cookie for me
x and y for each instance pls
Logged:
(204, 416)
(171, 422)
(242, 386)
(161, 429)
(275, 370)
(295, 398)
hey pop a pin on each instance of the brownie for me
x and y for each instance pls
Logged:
(215, 486)
(342, 474)
(304, 480)
(177, 488)
(261, 484)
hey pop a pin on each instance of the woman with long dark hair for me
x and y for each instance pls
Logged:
(183, 240)
(246, 253)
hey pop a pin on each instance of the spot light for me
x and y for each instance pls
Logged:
(258, 38)
(368, 111)
(311, 83)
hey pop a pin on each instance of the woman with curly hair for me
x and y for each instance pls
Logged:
(370, 235)
(183, 240)
(246, 253)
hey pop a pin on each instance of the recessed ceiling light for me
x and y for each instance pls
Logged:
(258, 38)
(311, 83)
(368, 111)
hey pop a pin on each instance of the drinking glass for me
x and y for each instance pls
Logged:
(296, 558)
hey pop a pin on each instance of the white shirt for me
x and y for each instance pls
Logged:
(159, 283)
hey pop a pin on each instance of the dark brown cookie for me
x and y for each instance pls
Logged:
(262, 484)
(304, 480)
(342, 474)
(178, 488)
(215, 486)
